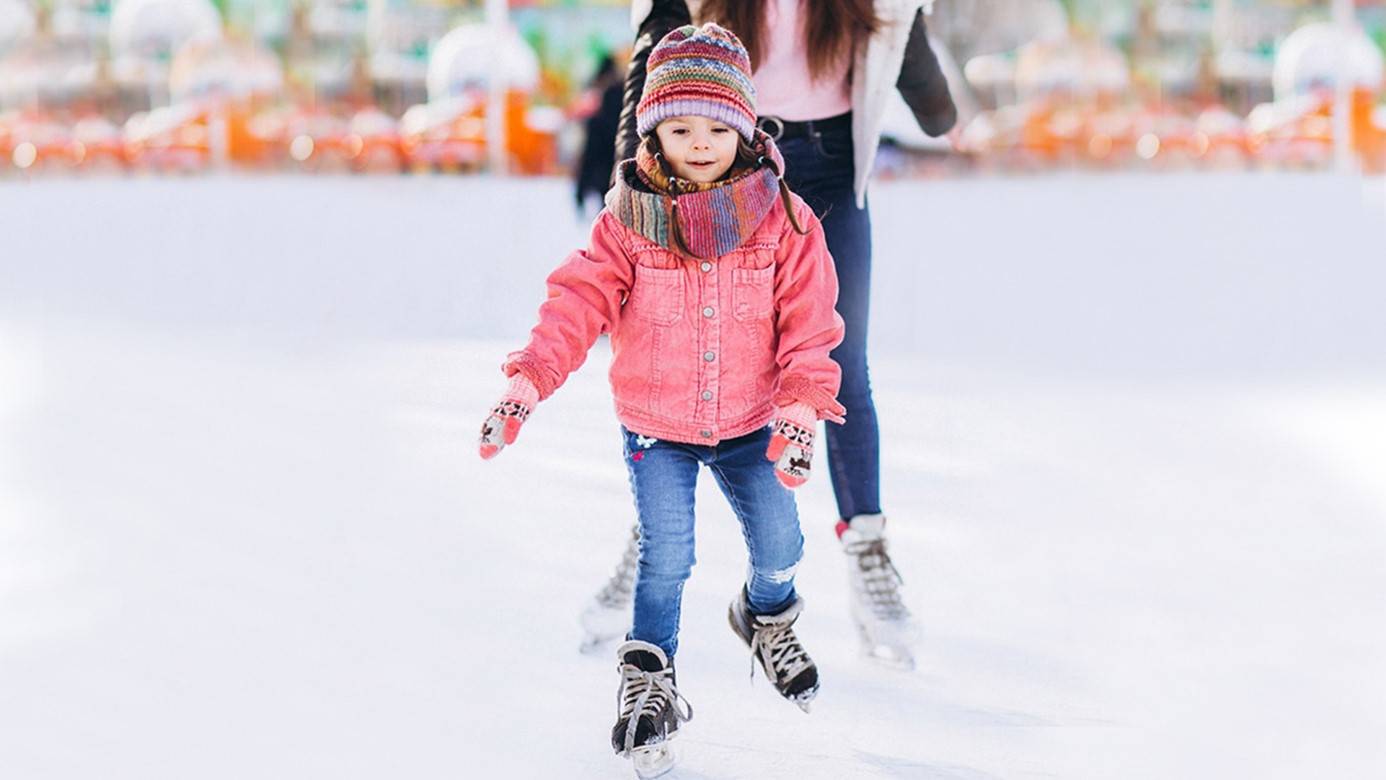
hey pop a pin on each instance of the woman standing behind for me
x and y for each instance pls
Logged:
(823, 72)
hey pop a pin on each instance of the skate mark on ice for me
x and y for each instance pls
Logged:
(769, 762)
(920, 770)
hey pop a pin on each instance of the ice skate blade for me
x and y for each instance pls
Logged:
(805, 700)
(653, 760)
(889, 656)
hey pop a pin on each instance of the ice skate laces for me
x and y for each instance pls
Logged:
(645, 694)
(617, 591)
(880, 582)
(777, 644)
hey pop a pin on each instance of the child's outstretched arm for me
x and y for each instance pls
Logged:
(809, 327)
(584, 299)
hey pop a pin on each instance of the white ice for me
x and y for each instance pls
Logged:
(1135, 464)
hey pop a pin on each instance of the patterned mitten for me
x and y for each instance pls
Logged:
(509, 414)
(791, 443)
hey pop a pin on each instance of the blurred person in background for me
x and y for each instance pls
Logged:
(598, 159)
(823, 71)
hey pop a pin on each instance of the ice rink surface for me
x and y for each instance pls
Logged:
(1134, 452)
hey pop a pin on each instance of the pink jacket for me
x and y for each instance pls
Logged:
(702, 350)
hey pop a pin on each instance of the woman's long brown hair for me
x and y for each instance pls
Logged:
(829, 29)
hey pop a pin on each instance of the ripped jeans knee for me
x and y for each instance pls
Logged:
(781, 576)
(771, 588)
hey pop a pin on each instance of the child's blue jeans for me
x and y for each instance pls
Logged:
(663, 475)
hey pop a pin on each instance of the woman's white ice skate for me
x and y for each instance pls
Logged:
(885, 627)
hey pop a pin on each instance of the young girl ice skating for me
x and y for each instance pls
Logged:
(824, 72)
(718, 291)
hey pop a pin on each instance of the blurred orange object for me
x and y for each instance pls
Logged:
(1167, 139)
(1110, 137)
(368, 142)
(451, 134)
(1368, 128)
(254, 138)
(1051, 131)
(98, 145)
(37, 143)
(6, 139)
(318, 141)
(1310, 65)
(1223, 138)
(176, 139)
(374, 142)
(1299, 130)
(444, 135)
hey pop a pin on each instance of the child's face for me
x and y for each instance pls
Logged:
(697, 148)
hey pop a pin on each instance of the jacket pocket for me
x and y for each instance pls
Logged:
(753, 293)
(657, 295)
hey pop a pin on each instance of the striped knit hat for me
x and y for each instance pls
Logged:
(699, 71)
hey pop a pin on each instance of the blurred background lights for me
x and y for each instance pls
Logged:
(462, 86)
(25, 154)
(1148, 146)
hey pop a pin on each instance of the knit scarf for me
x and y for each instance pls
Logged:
(712, 218)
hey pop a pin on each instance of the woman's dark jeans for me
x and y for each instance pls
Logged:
(819, 168)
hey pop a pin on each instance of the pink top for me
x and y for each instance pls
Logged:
(701, 351)
(783, 85)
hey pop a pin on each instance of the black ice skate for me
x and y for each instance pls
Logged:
(648, 711)
(773, 643)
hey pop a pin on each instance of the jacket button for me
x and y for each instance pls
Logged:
(707, 434)
(708, 312)
(707, 395)
(709, 356)
(706, 267)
